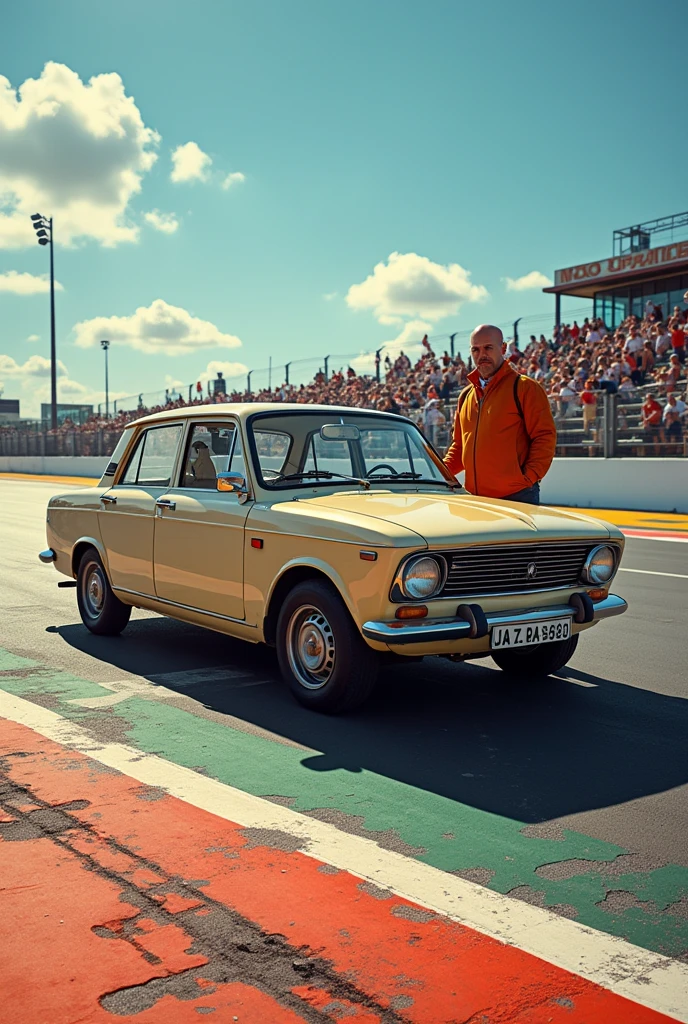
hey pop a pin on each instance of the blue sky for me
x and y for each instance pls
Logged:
(503, 138)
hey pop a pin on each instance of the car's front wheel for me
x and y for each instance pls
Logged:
(322, 657)
(538, 660)
(101, 611)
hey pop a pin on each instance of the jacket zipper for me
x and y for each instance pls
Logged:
(475, 445)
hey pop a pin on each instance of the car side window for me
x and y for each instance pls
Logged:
(210, 449)
(153, 458)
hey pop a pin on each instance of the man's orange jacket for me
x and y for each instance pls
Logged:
(501, 450)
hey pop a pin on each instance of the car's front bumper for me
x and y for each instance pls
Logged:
(430, 631)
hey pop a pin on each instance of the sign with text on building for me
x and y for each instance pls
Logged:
(620, 266)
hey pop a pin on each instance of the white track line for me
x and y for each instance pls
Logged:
(664, 540)
(651, 572)
(647, 978)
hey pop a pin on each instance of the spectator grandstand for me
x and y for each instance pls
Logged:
(581, 366)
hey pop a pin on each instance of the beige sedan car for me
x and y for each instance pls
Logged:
(334, 534)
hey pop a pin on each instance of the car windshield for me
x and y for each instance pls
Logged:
(290, 450)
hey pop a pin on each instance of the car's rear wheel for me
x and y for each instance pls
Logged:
(321, 654)
(101, 611)
(538, 660)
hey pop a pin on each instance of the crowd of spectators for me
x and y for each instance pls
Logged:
(575, 367)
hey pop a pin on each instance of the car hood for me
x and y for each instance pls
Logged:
(444, 520)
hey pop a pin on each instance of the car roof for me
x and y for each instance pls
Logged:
(243, 410)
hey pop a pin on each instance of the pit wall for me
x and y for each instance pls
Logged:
(55, 465)
(653, 485)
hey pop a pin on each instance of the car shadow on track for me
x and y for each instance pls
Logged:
(528, 751)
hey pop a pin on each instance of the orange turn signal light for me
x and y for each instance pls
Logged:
(598, 595)
(408, 611)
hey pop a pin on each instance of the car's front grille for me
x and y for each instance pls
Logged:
(514, 568)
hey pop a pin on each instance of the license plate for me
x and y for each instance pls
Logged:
(524, 633)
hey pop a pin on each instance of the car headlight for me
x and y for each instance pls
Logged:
(600, 565)
(421, 578)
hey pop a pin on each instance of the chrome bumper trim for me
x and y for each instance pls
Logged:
(440, 630)
(47, 556)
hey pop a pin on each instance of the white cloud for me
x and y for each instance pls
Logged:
(235, 178)
(73, 388)
(409, 285)
(523, 284)
(165, 222)
(408, 341)
(72, 150)
(35, 366)
(169, 330)
(190, 163)
(34, 337)
(330, 296)
(229, 371)
(30, 382)
(26, 284)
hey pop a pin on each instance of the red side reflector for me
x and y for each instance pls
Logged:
(411, 612)
(369, 556)
(256, 542)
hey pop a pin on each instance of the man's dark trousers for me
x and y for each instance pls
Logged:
(529, 495)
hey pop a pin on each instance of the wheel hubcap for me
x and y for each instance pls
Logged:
(310, 647)
(94, 591)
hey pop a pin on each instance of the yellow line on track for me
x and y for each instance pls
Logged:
(673, 521)
(45, 478)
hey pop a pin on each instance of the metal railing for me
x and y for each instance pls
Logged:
(615, 431)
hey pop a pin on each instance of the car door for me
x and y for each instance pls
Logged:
(199, 531)
(127, 513)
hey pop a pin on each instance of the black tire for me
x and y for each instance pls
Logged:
(538, 660)
(100, 610)
(322, 656)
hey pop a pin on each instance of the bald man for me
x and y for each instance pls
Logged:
(504, 433)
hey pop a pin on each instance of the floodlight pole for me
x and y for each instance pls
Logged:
(451, 343)
(286, 373)
(327, 361)
(377, 364)
(53, 352)
(105, 345)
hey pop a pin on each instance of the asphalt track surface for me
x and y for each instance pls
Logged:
(570, 795)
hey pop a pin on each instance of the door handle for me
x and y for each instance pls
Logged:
(164, 503)
(107, 499)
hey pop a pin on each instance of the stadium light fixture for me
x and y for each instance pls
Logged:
(105, 345)
(43, 227)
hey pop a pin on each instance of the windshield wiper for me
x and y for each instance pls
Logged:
(314, 474)
(396, 476)
(413, 476)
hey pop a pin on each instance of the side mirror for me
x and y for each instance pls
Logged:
(233, 482)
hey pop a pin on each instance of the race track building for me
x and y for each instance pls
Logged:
(622, 284)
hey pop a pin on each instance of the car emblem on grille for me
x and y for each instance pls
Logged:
(531, 571)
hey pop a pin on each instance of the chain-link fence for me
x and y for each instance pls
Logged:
(68, 442)
(612, 427)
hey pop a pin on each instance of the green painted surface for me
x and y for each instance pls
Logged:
(453, 836)
(12, 662)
